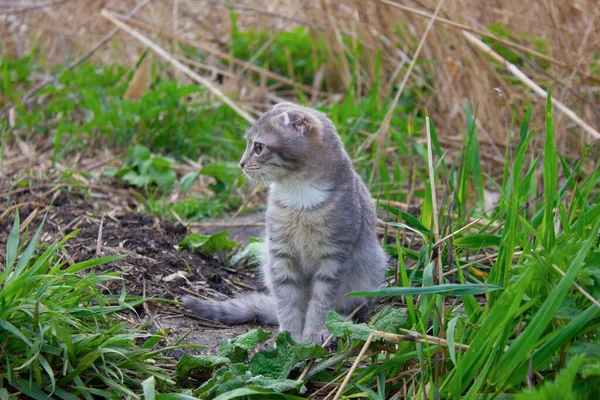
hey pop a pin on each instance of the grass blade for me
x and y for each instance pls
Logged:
(523, 346)
(550, 176)
(451, 289)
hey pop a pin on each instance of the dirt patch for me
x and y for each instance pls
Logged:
(154, 267)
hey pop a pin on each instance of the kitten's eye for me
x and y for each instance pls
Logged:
(258, 147)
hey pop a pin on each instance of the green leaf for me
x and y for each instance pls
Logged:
(450, 331)
(251, 254)
(342, 329)
(527, 341)
(134, 179)
(12, 329)
(277, 363)
(391, 319)
(199, 367)
(165, 179)
(477, 241)
(223, 172)
(148, 386)
(93, 262)
(187, 181)
(209, 244)
(241, 392)
(448, 289)
(12, 246)
(560, 388)
(237, 349)
(27, 254)
(277, 385)
(137, 153)
(550, 176)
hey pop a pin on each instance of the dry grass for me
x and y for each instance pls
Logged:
(457, 71)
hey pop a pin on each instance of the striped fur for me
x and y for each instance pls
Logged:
(249, 307)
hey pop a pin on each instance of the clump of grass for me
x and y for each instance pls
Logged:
(60, 336)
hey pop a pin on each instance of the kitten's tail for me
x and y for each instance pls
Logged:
(248, 307)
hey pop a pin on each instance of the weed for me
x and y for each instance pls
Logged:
(60, 334)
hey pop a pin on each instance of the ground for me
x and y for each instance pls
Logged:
(155, 268)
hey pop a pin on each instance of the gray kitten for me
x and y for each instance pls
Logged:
(320, 223)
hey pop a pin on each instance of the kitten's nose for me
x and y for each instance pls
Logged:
(242, 164)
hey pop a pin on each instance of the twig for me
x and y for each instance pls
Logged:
(225, 56)
(582, 290)
(406, 335)
(9, 209)
(355, 365)
(470, 224)
(263, 12)
(99, 239)
(191, 74)
(28, 220)
(476, 31)
(529, 83)
(385, 125)
(413, 336)
(327, 341)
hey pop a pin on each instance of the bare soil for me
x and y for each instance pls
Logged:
(155, 267)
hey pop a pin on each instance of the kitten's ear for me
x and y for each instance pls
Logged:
(299, 121)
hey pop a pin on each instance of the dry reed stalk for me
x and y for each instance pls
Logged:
(479, 32)
(225, 56)
(581, 290)
(530, 84)
(385, 125)
(191, 74)
(405, 335)
(88, 54)
(383, 27)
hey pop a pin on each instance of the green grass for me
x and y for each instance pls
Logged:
(60, 334)
(530, 332)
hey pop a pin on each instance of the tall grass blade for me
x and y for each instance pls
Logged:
(550, 176)
(12, 246)
(525, 343)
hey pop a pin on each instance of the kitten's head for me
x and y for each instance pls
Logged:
(288, 142)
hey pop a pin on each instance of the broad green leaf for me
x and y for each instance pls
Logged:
(209, 244)
(391, 319)
(237, 349)
(251, 254)
(242, 392)
(187, 181)
(199, 367)
(342, 329)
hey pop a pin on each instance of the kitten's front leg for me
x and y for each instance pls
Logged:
(325, 288)
(288, 289)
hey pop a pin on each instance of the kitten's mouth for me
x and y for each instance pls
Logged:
(258, 175)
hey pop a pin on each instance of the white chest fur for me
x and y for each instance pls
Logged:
(301, 196)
